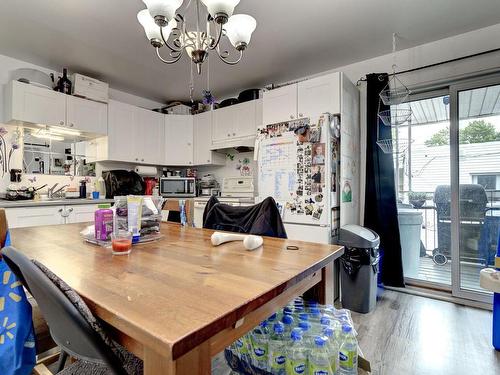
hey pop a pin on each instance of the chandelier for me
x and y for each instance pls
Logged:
(165, 27)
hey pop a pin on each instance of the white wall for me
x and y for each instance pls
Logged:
(232, 168)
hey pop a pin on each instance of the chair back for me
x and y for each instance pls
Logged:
(69, 320)
(174, 209)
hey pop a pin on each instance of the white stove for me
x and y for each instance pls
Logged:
(236, 191)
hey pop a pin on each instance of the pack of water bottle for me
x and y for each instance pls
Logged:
(302, 338)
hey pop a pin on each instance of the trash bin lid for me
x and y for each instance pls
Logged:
(353, 235)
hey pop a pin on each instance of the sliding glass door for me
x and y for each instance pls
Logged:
(448, 182)
(475, 185)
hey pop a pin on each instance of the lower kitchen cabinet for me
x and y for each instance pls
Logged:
(21, 217)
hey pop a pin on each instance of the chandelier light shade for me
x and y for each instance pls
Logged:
(162, 11)
(166, 27)
(239, 29)
(220, 10)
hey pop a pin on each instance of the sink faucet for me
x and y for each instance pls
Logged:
(51, 192)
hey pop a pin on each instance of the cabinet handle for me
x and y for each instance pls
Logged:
(142, 159)
(61, 123)
(189, 143)
(208, 160)
(228, 134)
(301, 115)
(60, 210)
(70, 210)
(234, 133)
(136, 159)
(71, 125)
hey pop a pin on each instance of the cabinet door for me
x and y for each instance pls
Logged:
(86, 115)
(246, 119)
(36, 105)
(179, 140)
(35, 216)
(319, 95)
(223, 124)
(80, 213)
(202, 125)
(280, 104)
(149, 136)
(122, 120)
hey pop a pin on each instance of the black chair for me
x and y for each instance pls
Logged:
(71, 324)
(262, 219)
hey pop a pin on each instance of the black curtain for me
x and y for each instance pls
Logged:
(381, 213)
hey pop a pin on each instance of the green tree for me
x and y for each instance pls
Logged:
(477, 131)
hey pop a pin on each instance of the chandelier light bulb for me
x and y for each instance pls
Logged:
(220, 10)
(162, 11)
(239, 29)
(151, 29)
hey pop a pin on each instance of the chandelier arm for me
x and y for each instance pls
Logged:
(224, 58)
(166, 42)
(216, 42)
(175, 59)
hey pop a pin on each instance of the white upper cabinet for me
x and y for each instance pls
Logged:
(28, 103)
(178, 140)
(86, 115)
(237, 121)
(319, 95)
(122, 120)
(149, 137)
(280, 104)
(202, 124)
(247, 119)
(223, 123)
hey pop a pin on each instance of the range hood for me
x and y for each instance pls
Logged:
(234, 145)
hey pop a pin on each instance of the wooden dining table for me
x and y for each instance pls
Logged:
(178, 301)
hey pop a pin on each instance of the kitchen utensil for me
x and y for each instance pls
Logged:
(250, 242)
(247, 95)
(228, 102)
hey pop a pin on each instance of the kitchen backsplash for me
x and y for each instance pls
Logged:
(237, 164)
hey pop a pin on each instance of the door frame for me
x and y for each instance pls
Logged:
(455, 89)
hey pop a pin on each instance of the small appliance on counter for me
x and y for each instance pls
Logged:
(208, 186)
(180, 187)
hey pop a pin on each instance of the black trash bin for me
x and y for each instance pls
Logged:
(359, 268)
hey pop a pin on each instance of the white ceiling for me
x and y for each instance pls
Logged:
(294, 38)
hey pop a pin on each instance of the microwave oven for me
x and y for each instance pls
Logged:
(178, 187)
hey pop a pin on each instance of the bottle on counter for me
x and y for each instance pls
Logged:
(83, 189)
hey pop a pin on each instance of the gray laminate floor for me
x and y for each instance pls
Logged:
(408, 334)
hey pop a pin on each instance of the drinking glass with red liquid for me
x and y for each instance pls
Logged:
(121, 242)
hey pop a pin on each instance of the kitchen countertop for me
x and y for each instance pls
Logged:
(57, 202)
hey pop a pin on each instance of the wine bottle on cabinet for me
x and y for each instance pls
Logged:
(65, 83)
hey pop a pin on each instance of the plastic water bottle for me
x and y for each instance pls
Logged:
(277, 355)
(319, 358)
(243, 349)
(296, 359)
(303, 317)
(273, 318)
(314, 314)
(287, 321)
(333, 349)
(305, 327)
(348, 352)
(260, 337)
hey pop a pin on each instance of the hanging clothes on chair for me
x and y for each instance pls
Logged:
(17, 338)
(262, 219)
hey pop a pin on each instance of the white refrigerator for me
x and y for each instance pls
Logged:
(311, 168)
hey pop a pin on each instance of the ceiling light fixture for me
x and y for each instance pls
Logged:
(164, 26)
(64, 131)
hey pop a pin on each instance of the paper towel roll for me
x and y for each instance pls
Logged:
(146, 171)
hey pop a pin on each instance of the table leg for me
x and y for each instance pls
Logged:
(323, 292)
(196, 362)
